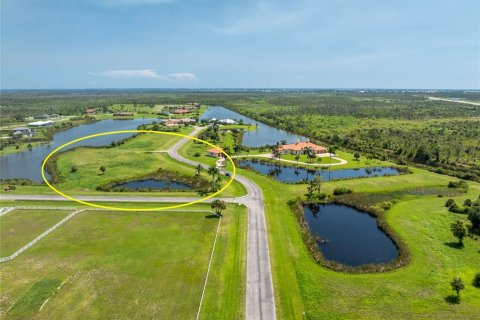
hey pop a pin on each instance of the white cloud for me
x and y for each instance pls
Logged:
(147, 74)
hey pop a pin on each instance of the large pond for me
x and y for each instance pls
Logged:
(290, 174)
(27, 164)
(263, 135)
(152, 184)
(349, 236)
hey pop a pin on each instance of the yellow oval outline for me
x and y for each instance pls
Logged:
(136, 209)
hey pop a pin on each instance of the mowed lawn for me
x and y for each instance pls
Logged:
(19, 227)
(419, 290)
(138, 157)
(135, 265)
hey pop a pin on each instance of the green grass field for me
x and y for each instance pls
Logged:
(136, 265)
(19, 227)
(420, 288)
(140, 156)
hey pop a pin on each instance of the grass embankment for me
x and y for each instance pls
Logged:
(418, 217)
(137, 157)
(19, 227)
(104, 264)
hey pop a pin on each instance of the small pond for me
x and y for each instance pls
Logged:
(152, 184)
(349, 236)
(291, 174)
(263, 135)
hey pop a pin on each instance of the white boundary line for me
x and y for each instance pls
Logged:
(208, 270)
(34, 241)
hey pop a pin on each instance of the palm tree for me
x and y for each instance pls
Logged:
(218, 206)
(297, 157)
(213, 171)
(198, 169)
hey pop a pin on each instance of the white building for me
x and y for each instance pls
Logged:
(47, 123)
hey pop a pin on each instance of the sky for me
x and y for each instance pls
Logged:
(240, 44)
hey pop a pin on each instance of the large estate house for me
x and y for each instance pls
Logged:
(214, 152)
(301, 148)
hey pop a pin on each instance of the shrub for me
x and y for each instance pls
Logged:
(341, 190)
(476, 280)
(467, 203)
(196, 154)
(449, 203)
(462, 184)
(474, 217)
(455, 209)
(386, 205)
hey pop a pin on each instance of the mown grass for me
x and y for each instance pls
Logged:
(132, 265)
(19, 227)
(418, 290)
(138, 157)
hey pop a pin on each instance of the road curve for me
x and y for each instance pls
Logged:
(260, 303)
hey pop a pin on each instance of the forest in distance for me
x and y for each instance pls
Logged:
(398, 125)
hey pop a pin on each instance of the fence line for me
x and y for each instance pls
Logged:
(208, 270)
(4, 211)
(34, 241)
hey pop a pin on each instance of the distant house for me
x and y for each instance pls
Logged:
(123, 114)
(214, 152)
(181, 111)
(91, 111)
(47, 123)
(301, 148)
(227, 121)
(21, 131)
(177, 122)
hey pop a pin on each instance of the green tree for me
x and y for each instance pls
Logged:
(73, 169)
(218, 206)
(459, 230)
(356, 155)
(474, 217)
(457, 285)
(103, 169)
(297, 157)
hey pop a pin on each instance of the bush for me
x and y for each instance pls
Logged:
(467, 203)
(455, 209)
(449, 203)
(341, 190)
(196, 155)
(386, 205)
(462, 184)
(476, 280)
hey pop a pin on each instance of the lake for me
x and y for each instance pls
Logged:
(349, 236)
(290, 174)
(152, 184)
(263, 135)
(27, 164)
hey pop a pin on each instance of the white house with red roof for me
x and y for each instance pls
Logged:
(301, 148)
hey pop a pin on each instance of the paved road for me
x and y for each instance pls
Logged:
(260, 302)
(270, 156)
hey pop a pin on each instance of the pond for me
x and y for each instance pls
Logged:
(263, 135)
(291, 174)
(349, 236)
(27, 164)
(152, 184)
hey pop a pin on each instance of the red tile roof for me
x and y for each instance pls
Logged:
(301, 146)
(214, 150)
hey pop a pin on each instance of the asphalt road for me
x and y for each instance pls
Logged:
(260, 302)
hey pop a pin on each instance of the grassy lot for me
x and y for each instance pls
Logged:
(420, 288)
(19, 227)
(246, 127)
(130, 265)
(138, 157)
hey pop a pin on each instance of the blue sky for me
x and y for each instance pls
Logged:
(240, 44)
